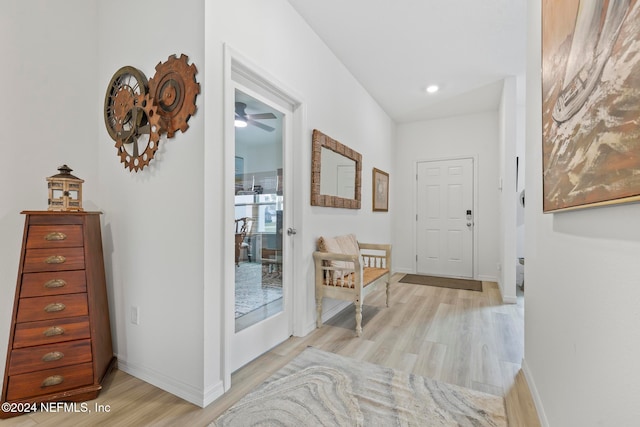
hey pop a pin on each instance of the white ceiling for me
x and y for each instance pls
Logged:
(395, 48)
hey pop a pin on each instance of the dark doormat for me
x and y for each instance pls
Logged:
(443, 282)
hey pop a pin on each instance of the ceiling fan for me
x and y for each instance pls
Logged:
(243, 119)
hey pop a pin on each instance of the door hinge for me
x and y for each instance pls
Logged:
(416, 217)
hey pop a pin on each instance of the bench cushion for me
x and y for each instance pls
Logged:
(345, 244)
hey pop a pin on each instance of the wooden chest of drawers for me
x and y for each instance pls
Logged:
(60, 342)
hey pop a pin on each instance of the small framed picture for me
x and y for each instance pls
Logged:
(380, 191)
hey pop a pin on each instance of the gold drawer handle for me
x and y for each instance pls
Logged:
(55, 236)
(53, 331)
(52, 380)
(54, 307)
(55, 283)
(52, 356)
(55, 259)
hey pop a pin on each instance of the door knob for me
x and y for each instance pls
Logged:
(291, 231)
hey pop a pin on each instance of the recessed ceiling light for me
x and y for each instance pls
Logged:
(432, 88)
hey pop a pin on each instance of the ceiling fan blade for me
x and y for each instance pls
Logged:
(240, 106)
(262, 116)
(261, 126)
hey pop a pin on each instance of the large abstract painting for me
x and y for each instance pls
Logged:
(590, 102)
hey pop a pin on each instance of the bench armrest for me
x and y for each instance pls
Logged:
(342, 275)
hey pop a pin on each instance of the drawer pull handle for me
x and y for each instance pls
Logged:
(53, 331)
(55, 307)
(55, 283)
(52, 380)
(55, 236)
(55, 259)
(52, 356)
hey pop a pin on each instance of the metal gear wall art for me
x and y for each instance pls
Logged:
(174, 87)
(139, 148)
(137, 112)
(125, 85)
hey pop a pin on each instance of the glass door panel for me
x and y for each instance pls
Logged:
(259, 210)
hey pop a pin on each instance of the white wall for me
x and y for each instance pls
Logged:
(582, 276)
(507, 184)
(178, 282)
(282, 44)
(520, 152)
(163, 227)
(469, 135)
(261, 158)
(49, 116)
(153, 218)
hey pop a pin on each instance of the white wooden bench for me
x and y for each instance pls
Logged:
(348, 270)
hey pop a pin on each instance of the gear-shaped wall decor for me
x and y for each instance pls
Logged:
(125, 85)
(137, 151)
(137, 112)
(174, 88)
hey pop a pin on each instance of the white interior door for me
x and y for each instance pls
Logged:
(445, 218)
(263, 250)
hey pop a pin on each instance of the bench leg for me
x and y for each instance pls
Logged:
(388, 291)
(358, 304)
(318, 310)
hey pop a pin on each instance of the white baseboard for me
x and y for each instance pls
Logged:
(506, 299)
(306, 330)
(184, 391)
(485, 278)
(509, 300)
(403, 271)
(542, 416)
(211, 393)
(337, 308)
(327, 314)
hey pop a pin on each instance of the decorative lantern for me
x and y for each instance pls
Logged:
(65, 191)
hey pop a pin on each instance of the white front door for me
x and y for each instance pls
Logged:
(445, 218)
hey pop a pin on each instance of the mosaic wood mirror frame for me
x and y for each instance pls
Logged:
(319, 141)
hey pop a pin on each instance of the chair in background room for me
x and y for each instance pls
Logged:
(244, 230)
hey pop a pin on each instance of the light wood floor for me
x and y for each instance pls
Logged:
(461, 337)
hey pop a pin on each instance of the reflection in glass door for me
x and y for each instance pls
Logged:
(259, 205)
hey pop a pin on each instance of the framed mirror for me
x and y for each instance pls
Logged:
(336, 173)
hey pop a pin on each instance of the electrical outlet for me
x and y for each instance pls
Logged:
(499, 267)
(135, 315)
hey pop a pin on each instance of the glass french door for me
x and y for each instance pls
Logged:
(262, 302)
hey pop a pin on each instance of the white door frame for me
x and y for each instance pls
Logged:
(237, 68)
(476, 214)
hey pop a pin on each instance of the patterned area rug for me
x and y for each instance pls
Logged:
(324, 389)
(256, 286)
